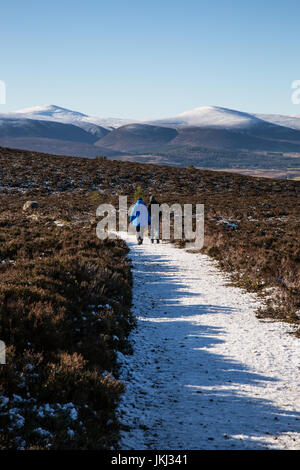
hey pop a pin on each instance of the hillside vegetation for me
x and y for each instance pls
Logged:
(65, 300)
(65, 296)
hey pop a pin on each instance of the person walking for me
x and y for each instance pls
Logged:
(140, 218)
(155, 217)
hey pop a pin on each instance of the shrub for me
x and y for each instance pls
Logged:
(138, 194)
(65, 300)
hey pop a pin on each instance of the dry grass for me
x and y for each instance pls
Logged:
(65, 300)
(55, 281)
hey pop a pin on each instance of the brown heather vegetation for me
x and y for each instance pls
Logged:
(65, 296)
(65, 300)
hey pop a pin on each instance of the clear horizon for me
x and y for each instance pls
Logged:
(148, 61)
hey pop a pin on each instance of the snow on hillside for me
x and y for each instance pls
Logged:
(205, 373)
(211, 116)
(292, 120)
(203, 116)
(51, 110)
(56, 113)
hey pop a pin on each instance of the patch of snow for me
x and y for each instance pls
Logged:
(205, 373)
(3, 401)
(73, 412)
(17, 419)
(289, 120)
(43, 432)
(211, 116)
(56, 113)
(59, 223)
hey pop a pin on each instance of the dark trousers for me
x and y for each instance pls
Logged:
(140, 230)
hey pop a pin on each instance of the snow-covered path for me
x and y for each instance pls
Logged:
(205, 373)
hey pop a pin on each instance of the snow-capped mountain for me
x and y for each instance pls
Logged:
(199, 135)
(203, 116)
(224, 118)
(51, 111)
(211, 116)
(64, 116)
(56, 113)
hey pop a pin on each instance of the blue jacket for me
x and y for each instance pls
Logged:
(140, 215)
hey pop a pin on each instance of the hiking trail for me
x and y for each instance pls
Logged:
(205, 373)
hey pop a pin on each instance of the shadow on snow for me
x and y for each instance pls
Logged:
(200, 382)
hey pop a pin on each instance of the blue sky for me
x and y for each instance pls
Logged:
(147, 59)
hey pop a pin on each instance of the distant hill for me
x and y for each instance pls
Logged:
(147, 138)
(210, 116)
(57, 147)
(259, 138)
(137, 137)
(48, 129)
(207, 136)
(52, 112)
